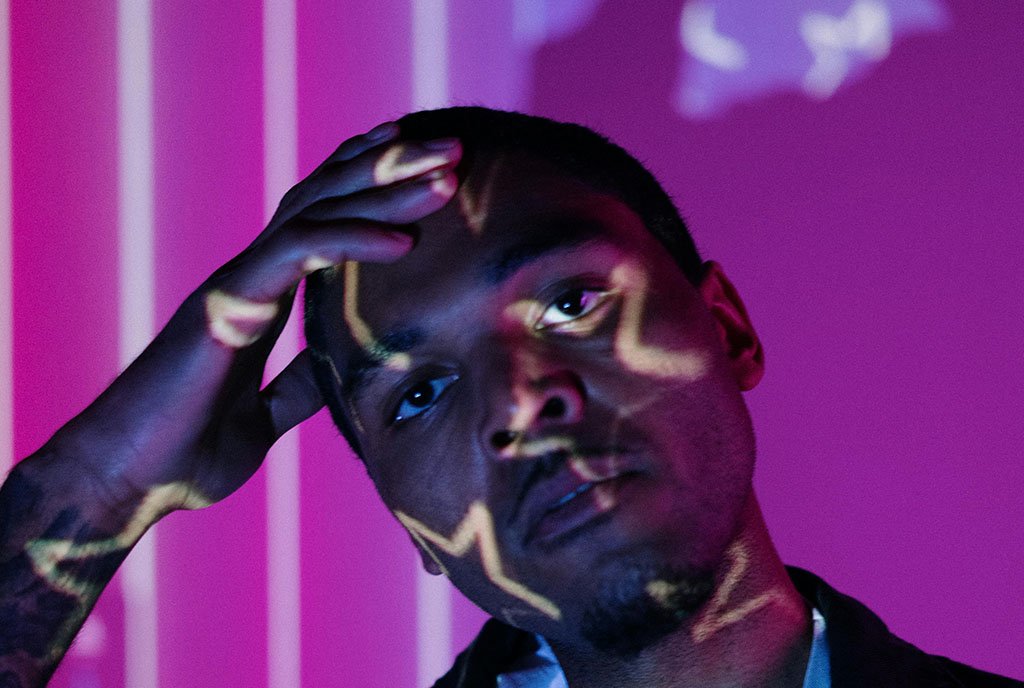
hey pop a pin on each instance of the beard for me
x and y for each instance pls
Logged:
(640, 605)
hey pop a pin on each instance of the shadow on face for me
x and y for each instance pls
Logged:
(542, 397)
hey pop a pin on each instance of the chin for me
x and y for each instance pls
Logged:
(640, 604)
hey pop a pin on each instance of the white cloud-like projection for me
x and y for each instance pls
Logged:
(735, 51)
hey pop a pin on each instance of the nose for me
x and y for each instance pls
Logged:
(538, 405)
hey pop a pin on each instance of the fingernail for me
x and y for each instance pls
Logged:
(441, 144)
(383, 131)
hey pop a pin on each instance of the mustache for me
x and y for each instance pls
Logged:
(546, 464)
(533, 470)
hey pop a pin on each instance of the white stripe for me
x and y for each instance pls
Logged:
(7, 283)
(433, 626)
(430, 90)
(136, 302)
(429, 53)
(280, 170)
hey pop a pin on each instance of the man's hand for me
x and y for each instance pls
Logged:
(190, 411)
(188, 423)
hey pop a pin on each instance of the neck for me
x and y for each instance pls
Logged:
(754, 631)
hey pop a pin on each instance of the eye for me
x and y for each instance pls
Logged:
(421, 396)
(570, 306)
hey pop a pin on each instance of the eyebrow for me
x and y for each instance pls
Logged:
(364, 365)
(543, 238)
(550, 236)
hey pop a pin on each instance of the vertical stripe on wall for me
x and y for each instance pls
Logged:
(430, 90)
(136, 320)
(429, 53)
(6, 277)
(280, 169)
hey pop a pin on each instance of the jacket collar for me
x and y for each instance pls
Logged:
(862, 650)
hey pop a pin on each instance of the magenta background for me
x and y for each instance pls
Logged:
(876, 238)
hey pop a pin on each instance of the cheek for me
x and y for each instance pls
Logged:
(426, 479)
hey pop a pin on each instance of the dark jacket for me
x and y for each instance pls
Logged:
(862, 651)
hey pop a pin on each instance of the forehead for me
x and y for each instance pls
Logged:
(512, 210)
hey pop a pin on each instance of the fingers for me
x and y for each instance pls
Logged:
(361, 165)
(400, 204)
(359, 144)
(293, 395)
(383, 166)
(341, 212)
(296, 250)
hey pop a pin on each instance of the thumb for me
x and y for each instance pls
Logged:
(292, 396)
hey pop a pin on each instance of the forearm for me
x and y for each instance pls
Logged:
(60, 544)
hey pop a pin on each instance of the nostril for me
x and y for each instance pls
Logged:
(502, 439)
(553, 408)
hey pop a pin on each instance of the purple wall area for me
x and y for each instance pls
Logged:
(874, 232)
(208, 201)
(64, 217)
(876, 240)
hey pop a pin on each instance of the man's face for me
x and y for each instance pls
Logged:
(559, 423)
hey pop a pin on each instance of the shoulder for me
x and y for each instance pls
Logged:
(863, 651)
(496, 647)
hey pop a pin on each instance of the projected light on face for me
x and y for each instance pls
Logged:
(360, 330)
(630, 284)
(724, 609)
(475, 206)
(477, 528)
(638, 357)
(532, 287)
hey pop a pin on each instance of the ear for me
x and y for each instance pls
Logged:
(736, 333)
(430, 565)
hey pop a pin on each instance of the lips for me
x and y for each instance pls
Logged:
(579, 491)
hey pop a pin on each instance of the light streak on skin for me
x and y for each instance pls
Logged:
(391, 168)
(604, 497)
(314, 263)
(632, 283)
(361, 332)
(722, 611)
(349, 403)
(47, 555)
(641, 358)
(477, 528)
(475, 207)
(236, 322)
(531, 449)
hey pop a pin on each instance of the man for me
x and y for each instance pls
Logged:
(514, 331)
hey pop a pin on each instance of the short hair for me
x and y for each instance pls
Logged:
(574, 149)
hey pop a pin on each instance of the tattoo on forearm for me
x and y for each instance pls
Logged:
(39, 614)
(53, 566)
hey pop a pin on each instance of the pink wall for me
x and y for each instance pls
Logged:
(875, 235)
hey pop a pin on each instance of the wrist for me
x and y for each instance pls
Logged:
(71, 479)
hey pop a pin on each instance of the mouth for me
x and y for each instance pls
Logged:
(583, 491)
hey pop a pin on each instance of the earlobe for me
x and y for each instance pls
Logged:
(430, 565)
(736, 333)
